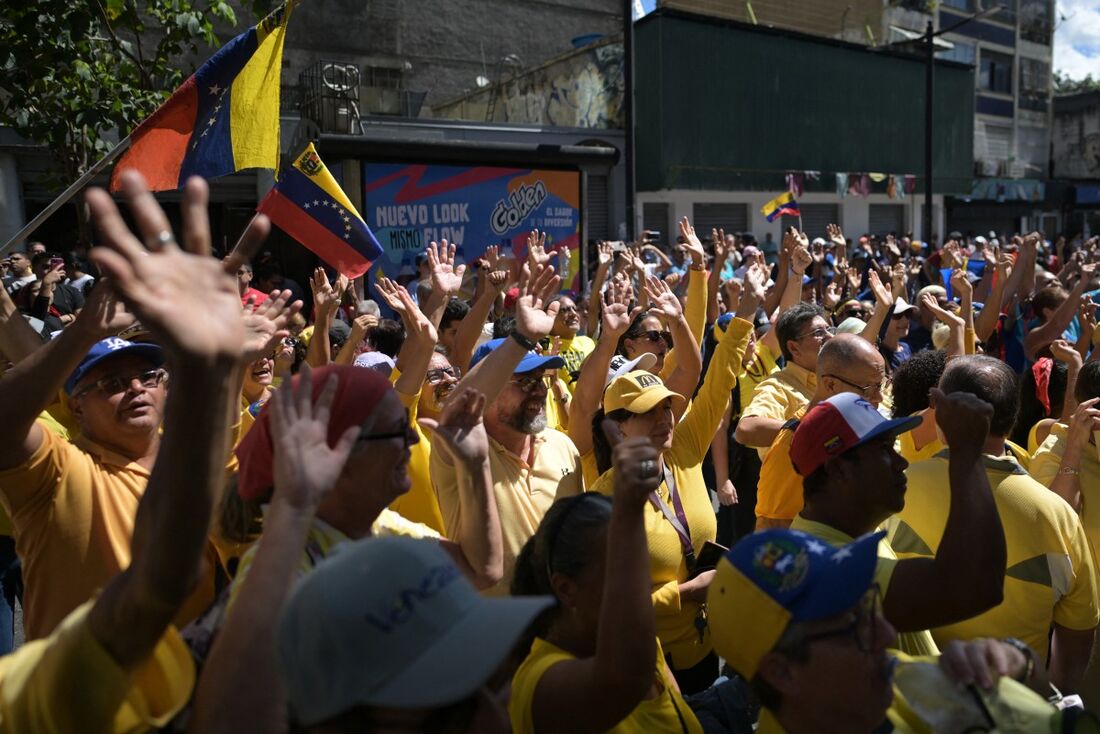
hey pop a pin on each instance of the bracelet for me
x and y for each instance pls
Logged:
(1027, 653)
(1069, 471)
(528, 344)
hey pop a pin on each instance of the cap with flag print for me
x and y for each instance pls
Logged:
(837, 425)
(224, 118)
(310, 206)
(785, 203)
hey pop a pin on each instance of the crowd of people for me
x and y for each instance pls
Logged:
(790, 486)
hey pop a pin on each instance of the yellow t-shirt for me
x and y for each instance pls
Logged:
(1050, 575)
(690, 441)
(913, 643)
(661, 714)
(909, 451)
(574, 351)
(1044, 468)
(322, 538)
(419, 504)
(73, 508)
(68, 682)
(761, 368)
(779, 491)
(523, 492)
(781, 396)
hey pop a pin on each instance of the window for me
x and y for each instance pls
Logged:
(1036, 20)
(1034, 84)
(965, 53)
(995, 74)
(967, 5)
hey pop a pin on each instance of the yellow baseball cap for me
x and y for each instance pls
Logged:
(638, 391)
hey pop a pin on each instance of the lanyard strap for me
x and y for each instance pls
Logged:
(677, 518)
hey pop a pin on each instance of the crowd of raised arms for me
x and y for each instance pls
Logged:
(722, 485)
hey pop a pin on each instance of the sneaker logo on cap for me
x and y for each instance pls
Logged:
(780, 564)
(403, 605)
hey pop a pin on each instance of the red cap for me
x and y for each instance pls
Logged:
(510, 297)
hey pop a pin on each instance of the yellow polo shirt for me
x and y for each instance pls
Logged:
(651, 716)
(419, 504)
(1044, 468)
(690, 441)
(68, 682)
(760, 368)
(782, 395)
(574, 351)
(779, 491)
(1050, 575)
(914, 643)
(523, 492)
(73, 507)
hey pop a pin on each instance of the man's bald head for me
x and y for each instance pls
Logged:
(850, 363)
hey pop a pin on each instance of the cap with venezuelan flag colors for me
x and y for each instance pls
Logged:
(837, 425)
(310, 206)
(776, 577)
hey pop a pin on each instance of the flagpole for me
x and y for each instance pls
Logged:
(67, 194)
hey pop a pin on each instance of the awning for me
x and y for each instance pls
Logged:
(913, 36)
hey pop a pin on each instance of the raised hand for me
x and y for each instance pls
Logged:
(182, 295)
(963, 419)
(534, 317)
(305, 466)
(662, 299)
(491, 256)
(756, 281)
(460, 430)
(617, 314)
(881, 292)
(898, 278)
(836, 235)
(852, 274)
(265, 325)
(418, 327)
(961, 284)
(604, 253)
(800, 258)
(948, 317)
(326, 297)
(536, 249)
(104, 314)
(1085, 420)
(692, 243)
(732, 290)
(497, 280)
(389, 291)
(1063, 351)
(446, 276)
(721, 249)
(831, 296)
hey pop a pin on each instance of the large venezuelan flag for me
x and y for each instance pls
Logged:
(224, 118)
(783, 204)
(310, 206)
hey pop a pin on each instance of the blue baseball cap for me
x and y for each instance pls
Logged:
(110, 348)
(775, 577)
(532, 361)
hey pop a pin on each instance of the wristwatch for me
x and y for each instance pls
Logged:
(528, 344)
(1027, 653)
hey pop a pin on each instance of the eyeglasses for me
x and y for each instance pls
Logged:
(899, 316)
(568, 309)
(291, 341)
(408, 436)
(528, 383)
(436, 376)
(819, 333)
(114, 384)
(864, 390)
(655, 336)
(861, 629)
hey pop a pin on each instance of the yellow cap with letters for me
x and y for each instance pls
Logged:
(638, 391)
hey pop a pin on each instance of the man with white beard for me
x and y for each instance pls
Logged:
(532, 465)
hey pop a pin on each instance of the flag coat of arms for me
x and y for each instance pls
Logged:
(308, 204)
(785, 203)
(224, 118)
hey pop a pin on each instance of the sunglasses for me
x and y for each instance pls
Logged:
(114, 384)
(655, 336)
(436, 376)
(528, 383)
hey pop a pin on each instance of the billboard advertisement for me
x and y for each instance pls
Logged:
(409, 205)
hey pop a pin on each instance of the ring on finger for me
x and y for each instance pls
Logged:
(164, 237)
(647, 468)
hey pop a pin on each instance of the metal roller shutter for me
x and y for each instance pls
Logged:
(887, 219)
(597, 208)
(815, 217)
(730, 217)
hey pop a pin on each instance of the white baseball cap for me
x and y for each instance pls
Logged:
(392, 622)
(620, 365)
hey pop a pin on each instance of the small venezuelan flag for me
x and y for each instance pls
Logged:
(783, 204)
(310, 206)
(224, 118)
